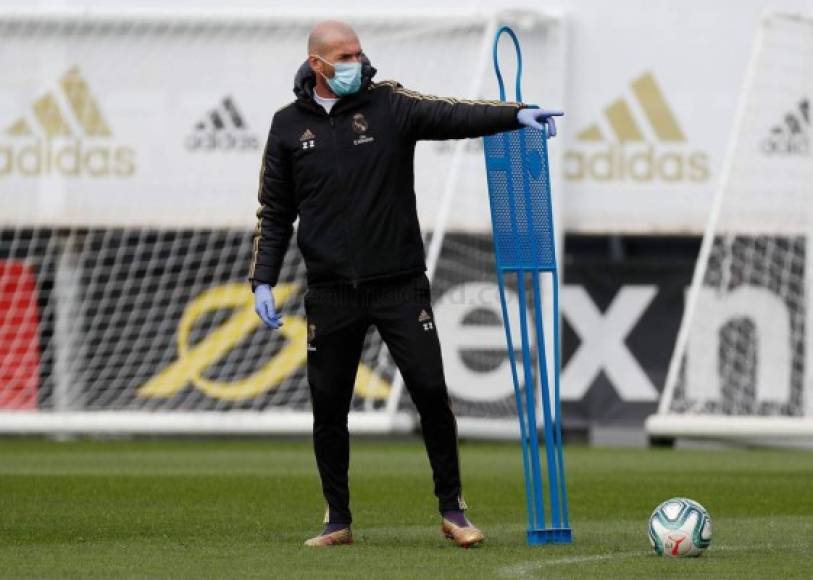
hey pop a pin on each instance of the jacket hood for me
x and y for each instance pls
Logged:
(305, 79)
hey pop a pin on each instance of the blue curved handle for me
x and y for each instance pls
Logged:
(513, 36)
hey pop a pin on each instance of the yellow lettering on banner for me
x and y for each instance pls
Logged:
(369, 385)
(193, 360)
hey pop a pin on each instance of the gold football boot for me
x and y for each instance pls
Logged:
(337, 538)
(465, 537)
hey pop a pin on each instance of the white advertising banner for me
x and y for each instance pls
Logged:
(161, 123)
(654, 89)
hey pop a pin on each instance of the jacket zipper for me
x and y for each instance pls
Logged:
(348, 240)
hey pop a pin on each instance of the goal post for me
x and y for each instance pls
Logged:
(130, 143)
(742, 368)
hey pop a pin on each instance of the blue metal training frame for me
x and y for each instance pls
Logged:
(524, 244)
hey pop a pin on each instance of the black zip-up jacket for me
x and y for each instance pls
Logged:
(349, 177)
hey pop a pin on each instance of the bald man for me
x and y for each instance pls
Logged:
(340, 158)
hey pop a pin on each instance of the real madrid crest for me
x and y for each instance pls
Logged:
(360, 127)
(359, 124)
(311, 335)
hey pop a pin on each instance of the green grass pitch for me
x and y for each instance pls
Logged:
(229, 509)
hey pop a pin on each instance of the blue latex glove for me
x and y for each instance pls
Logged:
(534, 117)
(265, 308)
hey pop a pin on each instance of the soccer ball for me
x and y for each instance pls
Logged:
(680, 527)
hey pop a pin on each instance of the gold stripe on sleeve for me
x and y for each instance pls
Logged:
(258, 229)
(451, 100)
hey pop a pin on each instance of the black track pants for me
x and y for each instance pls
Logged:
(338, 319)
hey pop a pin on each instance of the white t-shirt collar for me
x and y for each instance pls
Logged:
(327, 103)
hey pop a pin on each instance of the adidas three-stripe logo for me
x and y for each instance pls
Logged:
(64, 133)
(223, 128)
(792, 135)
(621, 119)
(638, 139)
(52, 122)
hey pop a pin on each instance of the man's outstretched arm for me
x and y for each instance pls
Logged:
(429, 117)
(276, 215)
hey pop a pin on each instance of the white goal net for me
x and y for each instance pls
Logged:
(743, 363)
(130, 145)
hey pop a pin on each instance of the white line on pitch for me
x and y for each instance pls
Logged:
(527, 567)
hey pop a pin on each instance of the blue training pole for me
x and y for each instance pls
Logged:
(525, 249)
